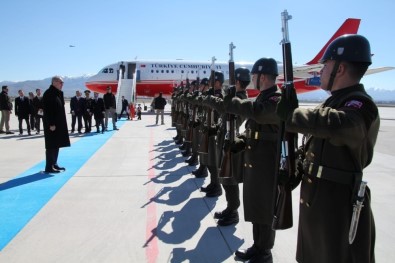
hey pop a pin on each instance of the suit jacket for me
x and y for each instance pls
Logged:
(98, 108)
(22, 107)
(77, 105)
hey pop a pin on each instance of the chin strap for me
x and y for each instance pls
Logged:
(333, 75)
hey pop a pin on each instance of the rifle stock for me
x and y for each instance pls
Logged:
(287, 144)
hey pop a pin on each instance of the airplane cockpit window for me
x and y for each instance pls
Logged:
(110, 70)
(105, 70)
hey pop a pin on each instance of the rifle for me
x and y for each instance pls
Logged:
(205, 139)
(287, 143)
(226, 170)
(185, 120)
(192, 118)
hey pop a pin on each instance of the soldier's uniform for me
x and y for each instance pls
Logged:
(341, 136)
(260, 143)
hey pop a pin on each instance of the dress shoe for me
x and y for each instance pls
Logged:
(230, 219)
(59, 168)
(247, 254)
(174, 138)
(179, 141)
(182, 147)
(9, 132)
(215, 191)
(1, 131)
(115, 128)
(193, 162)
(51, 171)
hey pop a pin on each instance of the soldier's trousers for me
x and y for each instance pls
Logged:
(213, 175)
(232, 195)
(263, 236)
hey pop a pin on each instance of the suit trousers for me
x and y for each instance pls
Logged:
(5, 120)
(51, 156)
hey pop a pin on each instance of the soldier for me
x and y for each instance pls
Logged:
(230, 215)
(204, 85)
(193, 125)
(341, 134)
(213, 189)
(260, 143)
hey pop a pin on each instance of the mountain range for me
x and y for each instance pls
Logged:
(72, 84)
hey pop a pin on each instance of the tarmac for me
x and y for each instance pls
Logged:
(128, 196)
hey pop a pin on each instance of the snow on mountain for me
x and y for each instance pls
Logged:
(71, 85)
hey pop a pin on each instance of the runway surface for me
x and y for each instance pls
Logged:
(128, 196)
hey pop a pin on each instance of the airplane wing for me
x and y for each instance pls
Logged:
(377, 70)
(304, 72)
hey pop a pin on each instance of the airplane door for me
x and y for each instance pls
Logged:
(131, 70)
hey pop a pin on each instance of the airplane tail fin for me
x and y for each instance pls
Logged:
(350, 26)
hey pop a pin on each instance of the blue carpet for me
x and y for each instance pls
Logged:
(22, 197)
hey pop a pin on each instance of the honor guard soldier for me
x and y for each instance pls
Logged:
(259, 141)
(203, 89)
(341, 134)
(230, 182)
(193, 132)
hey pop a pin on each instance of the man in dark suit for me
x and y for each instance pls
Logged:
(125, 106)
(77, 110)
(22, 110)
(98, 112)
(38, 109)
(88, 109)
(55, 125)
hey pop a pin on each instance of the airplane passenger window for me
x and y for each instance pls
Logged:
(162, 71)
(172, 71)
(110, 70)
(105, 70)
(192, 71)
(167, 71)
(182, 71)
(157, 71)
(204, 72)
(152, 71)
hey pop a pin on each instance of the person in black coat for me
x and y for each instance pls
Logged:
(88, 109)
(23, 111)
(159, 105)
(38, 110)
(55, 124)
(98, 112)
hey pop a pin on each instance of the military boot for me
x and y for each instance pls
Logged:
(262, 257)
(215, 191)
(229, 218)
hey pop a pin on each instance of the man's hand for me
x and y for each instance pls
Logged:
(52, 127)
(286, 106)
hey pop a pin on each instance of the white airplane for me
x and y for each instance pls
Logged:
(153, 77)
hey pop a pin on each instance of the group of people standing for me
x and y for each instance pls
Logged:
(28, 109)
(340, 135)
(86, 108)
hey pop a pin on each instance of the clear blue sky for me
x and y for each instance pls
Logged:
(35, 35)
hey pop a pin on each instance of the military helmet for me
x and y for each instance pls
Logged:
(204, 82)
(351, 48)
(218, 75)
(242, 74)
(265, 66)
